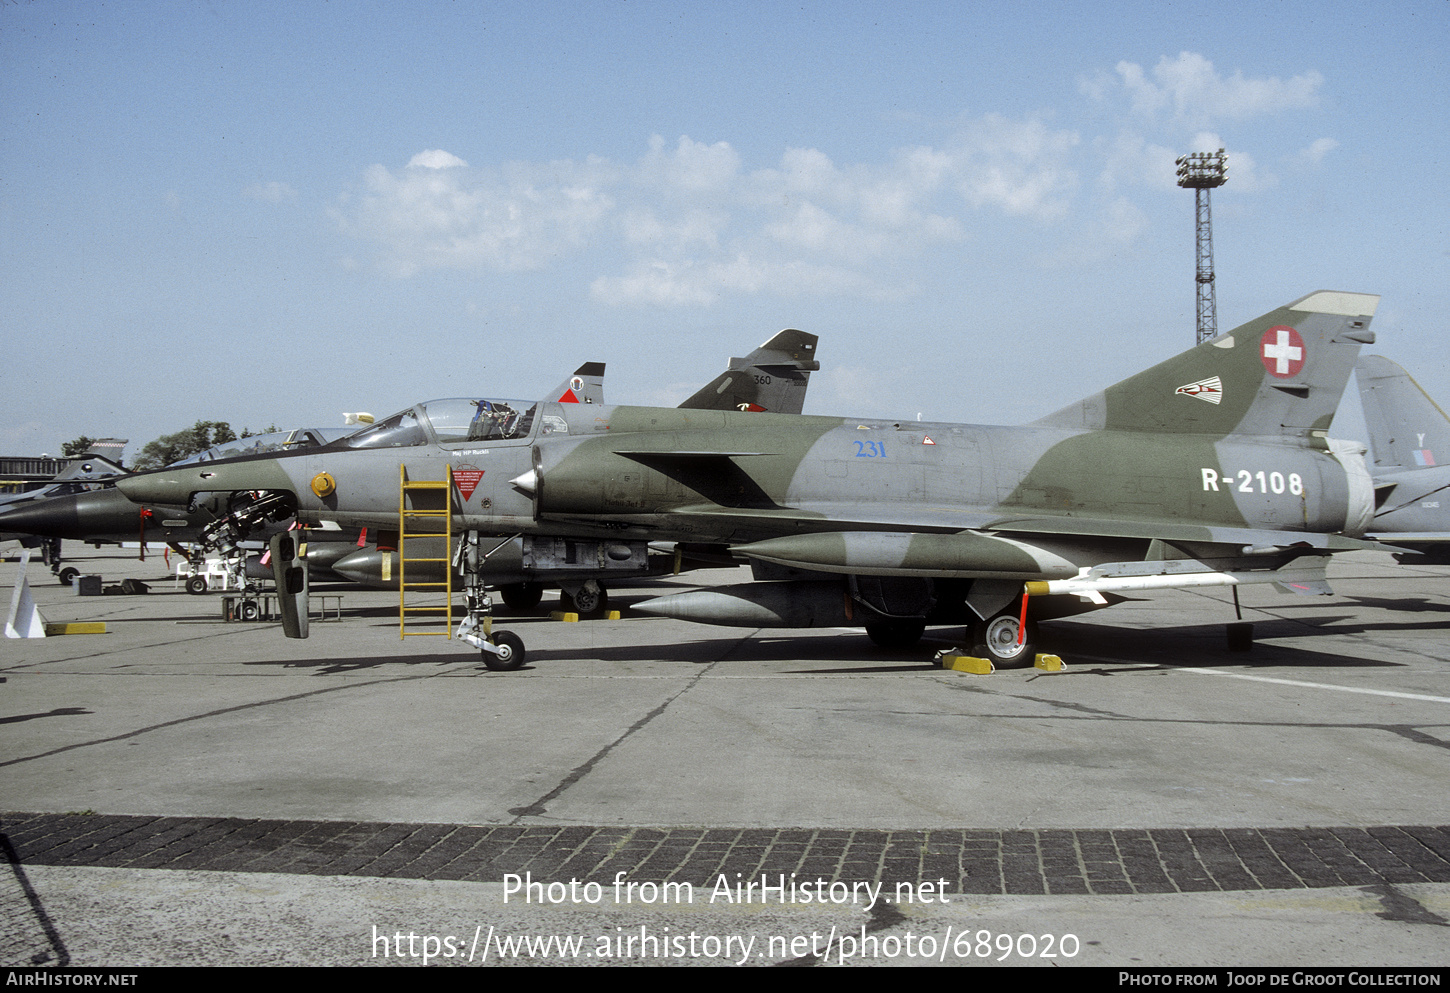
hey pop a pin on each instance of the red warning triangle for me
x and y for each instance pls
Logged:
(467, 480)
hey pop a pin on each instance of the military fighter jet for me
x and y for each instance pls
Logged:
(1410, 443)
(1211, 468)
(83, 475)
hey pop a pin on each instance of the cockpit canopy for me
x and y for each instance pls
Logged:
(445, 422)
(276, 441)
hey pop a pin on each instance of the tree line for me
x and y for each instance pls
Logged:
(170, 448)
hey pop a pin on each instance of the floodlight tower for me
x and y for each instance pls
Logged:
(1201, 172)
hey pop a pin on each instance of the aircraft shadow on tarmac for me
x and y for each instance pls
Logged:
(57, 712)
(335, 666)
(1196, 646)
(1123, 649)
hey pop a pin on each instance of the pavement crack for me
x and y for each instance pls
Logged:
(539, 806)
(213, 713)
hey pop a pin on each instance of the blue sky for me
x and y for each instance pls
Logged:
(276, 212)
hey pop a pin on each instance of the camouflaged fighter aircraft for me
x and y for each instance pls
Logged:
(1412, 488)
(1212, 468)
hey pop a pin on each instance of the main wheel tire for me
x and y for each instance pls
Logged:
(521, 596)
(250, 611)
(510, 655)
(895, 633)
(996, 639)
(196, 584)
(585, 603)
(67, 576)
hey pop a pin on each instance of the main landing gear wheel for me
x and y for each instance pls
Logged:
(67, 576)
(521, 596)
(895, 633)
(510, 652)
(996, 639)
(586, 602)
(250, 611)
(196, 584)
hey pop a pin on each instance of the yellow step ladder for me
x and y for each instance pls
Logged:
(418, 518)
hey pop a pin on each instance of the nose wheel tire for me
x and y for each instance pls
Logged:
(510, 654)
(67, 576)
(196, 584)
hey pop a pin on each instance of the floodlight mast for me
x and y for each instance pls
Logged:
(1201, 172)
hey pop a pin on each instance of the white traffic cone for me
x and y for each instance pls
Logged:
(24, 620)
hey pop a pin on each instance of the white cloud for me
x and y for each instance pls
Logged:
(692, 168)
(1021, 167)
(700, 228)
(1315, 152)
(688, 225)
(1197, 94)
(436, 158)
(453, 217)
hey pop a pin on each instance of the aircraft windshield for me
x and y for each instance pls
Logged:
(480, 420)
(453, 421)
(272, 442)
(402, 430)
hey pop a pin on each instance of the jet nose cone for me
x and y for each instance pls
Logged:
(174, 487)
(54, 517)
(76, 516)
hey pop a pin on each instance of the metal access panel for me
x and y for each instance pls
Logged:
(573, 554)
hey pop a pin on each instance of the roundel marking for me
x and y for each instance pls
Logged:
(1282, 351)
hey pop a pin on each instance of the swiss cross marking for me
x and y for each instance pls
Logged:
(1282, 351)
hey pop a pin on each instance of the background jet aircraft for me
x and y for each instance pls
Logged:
(772, 378)
(97, 513)
(83, 475)
(1410, 450)
(1212, 468)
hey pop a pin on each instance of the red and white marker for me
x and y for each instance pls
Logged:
(1282, 351)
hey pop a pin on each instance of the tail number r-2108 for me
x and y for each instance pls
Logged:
(1254, 482)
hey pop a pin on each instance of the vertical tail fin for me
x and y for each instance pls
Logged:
(585, 386)
(1281, 374)
(773, 377)
(1406, 428)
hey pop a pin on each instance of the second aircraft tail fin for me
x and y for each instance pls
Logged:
(773, 377)
(585, 386)
(1407, 429)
